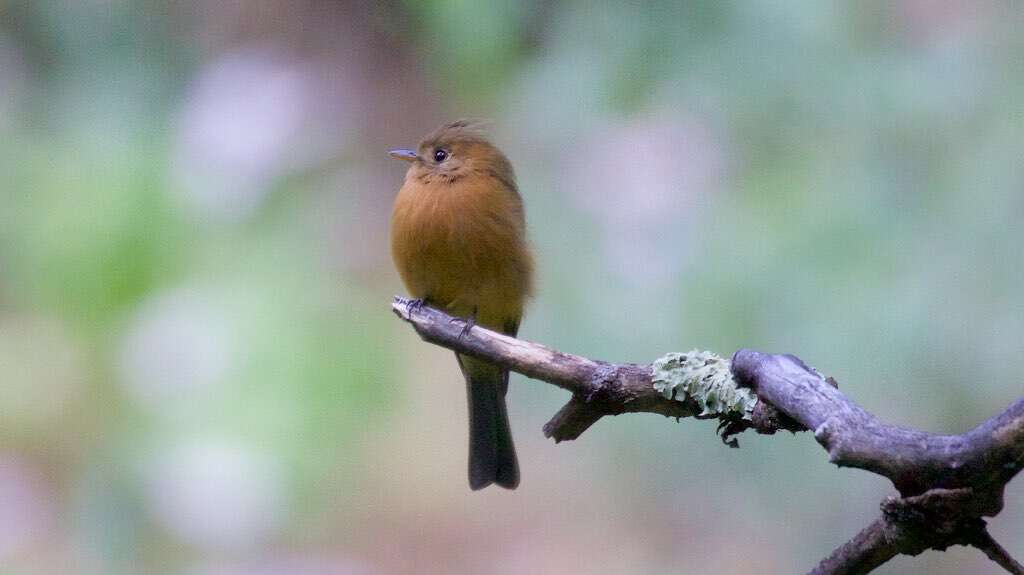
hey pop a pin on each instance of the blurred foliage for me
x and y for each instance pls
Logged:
(198, 371)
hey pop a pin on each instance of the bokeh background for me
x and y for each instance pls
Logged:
(199, 369)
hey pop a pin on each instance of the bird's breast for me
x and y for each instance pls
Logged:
(462, 246)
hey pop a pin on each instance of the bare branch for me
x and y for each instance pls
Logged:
(996, 553)
(862, 554)
(990, 454)
(599, 388)
(572, 420)
(948, 483)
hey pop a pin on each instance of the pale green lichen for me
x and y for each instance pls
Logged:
(705, 377)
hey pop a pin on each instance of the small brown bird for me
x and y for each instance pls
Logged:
(458, 238)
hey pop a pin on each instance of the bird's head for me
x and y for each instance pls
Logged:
(455, 151)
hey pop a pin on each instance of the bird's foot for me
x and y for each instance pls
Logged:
(468, 324)
(414, 305)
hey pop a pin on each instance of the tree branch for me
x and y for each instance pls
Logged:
(935, 520)
(947, 483)
(991, 453)
(991, 548)
(867, 550)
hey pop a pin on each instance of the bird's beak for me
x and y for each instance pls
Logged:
(407, 155)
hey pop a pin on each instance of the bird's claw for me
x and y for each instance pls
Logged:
(414, 305)
(468, 324)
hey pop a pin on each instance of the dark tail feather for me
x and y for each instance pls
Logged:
(492, 455)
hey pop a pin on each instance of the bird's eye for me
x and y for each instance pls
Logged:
(440, 155)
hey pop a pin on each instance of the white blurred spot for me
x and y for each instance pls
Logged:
(220, 496)
(644, 182)
(244, 125)
(179, 343)
(26, 507)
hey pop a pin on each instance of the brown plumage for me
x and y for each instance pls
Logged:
(458, 239)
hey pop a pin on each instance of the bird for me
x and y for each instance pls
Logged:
(458, 240)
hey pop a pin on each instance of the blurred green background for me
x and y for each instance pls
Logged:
(199, 369)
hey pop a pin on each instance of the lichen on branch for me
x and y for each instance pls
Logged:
(707, 379)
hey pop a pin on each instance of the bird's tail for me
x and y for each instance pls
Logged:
(492, 455)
